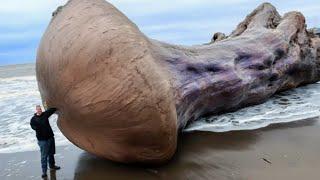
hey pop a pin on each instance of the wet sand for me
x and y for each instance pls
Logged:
(282, 151)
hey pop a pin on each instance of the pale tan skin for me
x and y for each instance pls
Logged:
(38, 110)
(124, 97)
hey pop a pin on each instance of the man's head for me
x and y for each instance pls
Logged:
(38, 110)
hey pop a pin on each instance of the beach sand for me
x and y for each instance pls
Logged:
(282, 151)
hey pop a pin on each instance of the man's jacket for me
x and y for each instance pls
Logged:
(42, 126)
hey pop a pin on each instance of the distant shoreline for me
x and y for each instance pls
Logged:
(8, 65)
(17, 70)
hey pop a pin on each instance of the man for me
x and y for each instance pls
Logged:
(40, 123)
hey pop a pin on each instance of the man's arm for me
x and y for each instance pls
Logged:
(33, 124)
(50, 111)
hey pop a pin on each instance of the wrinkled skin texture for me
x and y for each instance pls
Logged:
(125, 97)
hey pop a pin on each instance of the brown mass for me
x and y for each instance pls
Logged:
(125, 97)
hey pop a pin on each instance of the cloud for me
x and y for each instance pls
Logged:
(29, 6)
(149, 7)
(22, 22)
(17, 36)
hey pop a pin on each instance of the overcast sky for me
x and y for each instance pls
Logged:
(22, 22)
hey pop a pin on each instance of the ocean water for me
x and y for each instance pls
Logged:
(18, 97)
(19, 94)
(293, 105)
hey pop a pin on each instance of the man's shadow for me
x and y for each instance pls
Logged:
(53, 175)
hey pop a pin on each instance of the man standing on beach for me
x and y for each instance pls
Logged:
(40, 123)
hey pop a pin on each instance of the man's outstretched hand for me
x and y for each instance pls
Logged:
(45, 105)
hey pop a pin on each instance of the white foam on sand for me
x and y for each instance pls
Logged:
(293, 105)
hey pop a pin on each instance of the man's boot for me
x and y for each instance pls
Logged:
(44, 173)
(55, 167)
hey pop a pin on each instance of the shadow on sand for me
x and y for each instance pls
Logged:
(200, 155)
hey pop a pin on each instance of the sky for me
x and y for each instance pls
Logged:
(187, 22)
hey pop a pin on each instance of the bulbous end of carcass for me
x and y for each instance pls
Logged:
(95, 66)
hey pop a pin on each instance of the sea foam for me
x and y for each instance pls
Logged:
(292, 105)
(18, 97)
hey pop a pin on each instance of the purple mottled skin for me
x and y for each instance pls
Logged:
(266, 54)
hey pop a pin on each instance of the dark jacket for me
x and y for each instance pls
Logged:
(42, 126)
